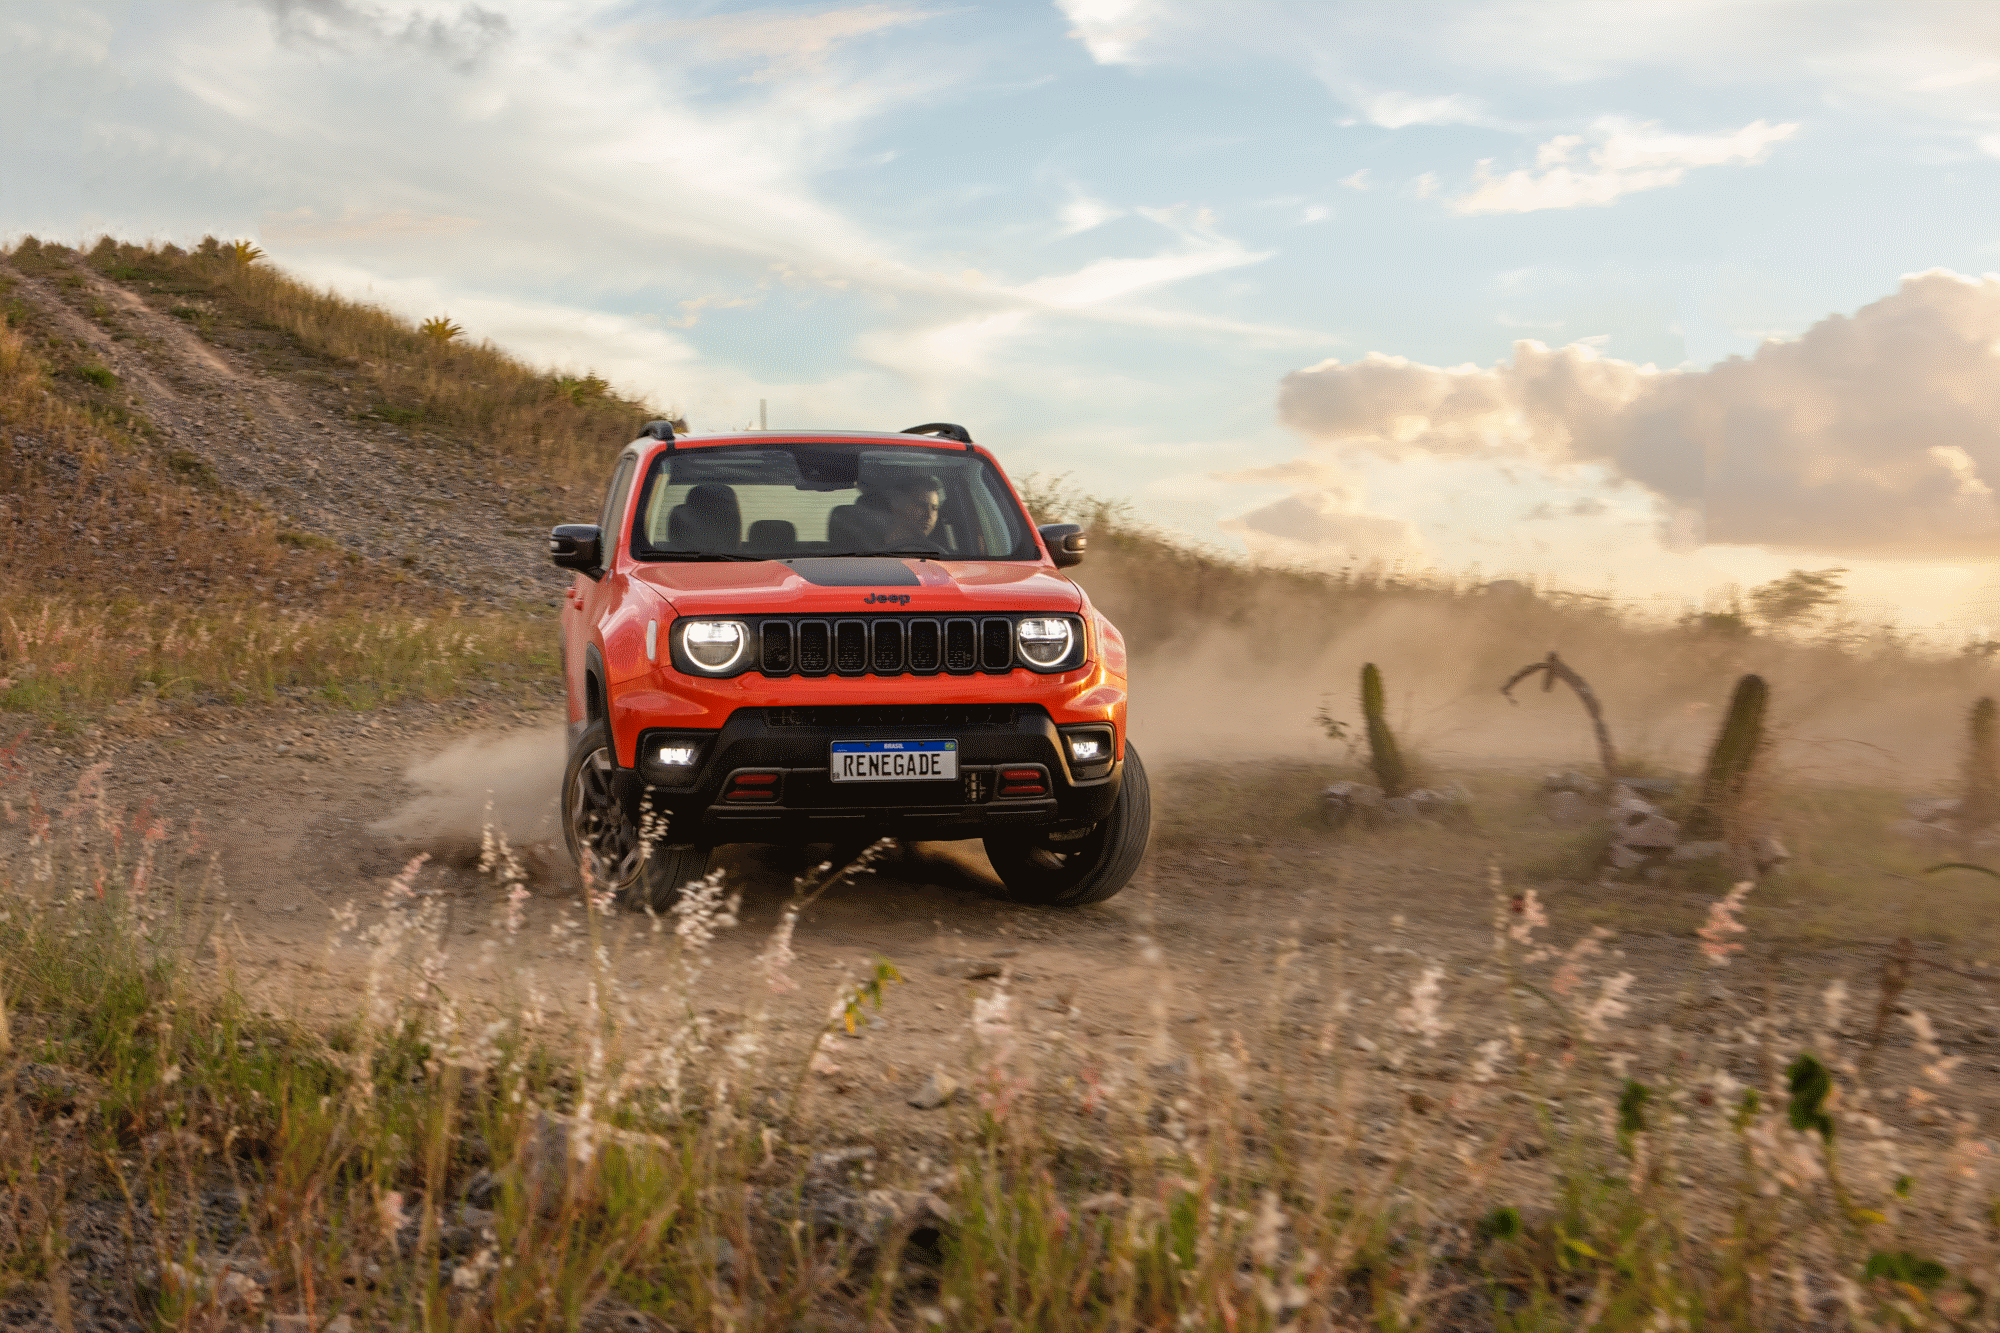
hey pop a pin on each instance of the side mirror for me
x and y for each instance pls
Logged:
(1066, 543)
(575, 546)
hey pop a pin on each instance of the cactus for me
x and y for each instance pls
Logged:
(1979, 782)
(1726, 781)
(1390, 772)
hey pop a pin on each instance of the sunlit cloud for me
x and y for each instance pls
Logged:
(1111, 30)
(1875, 433)
(1623, 158)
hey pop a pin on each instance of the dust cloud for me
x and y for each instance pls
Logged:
(1239, 674)
(1239, 677)
(510, 780)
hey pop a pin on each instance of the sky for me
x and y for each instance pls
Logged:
(1653, 298)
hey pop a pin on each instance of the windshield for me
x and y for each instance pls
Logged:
(775, 501)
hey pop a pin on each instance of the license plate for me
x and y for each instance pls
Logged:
(895, 761)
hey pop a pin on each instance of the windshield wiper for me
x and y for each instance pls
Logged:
(702, 555)
(925, 552)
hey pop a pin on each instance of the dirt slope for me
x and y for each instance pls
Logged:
(289, 446)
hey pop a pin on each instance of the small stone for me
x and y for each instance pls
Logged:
(1624, 858)
(1647, 831)
(1768, 851)
(1626, 801)
(938, 1090)
(1566, 809)
(479, 1190)
(340, 1323)
(835, 1159)
(1700, 851)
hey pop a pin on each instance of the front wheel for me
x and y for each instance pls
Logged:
(603, 839)
(1071, 868)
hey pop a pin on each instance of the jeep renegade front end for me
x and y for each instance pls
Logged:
(825, 636)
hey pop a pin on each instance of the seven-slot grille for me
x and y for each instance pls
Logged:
(885, 647)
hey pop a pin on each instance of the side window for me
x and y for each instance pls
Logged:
(609, 537)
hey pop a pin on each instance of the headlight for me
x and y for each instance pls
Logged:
(1044, 641)
(715, 645)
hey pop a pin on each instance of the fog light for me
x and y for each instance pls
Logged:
(680, 756)
(1087, 749)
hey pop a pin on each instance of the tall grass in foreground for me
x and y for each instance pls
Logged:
(56, 655)
(1498, 1148)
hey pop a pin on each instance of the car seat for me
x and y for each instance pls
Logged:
(855, 528)
(772, 534)
(708, 520)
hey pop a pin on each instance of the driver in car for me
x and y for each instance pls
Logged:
(909, 511)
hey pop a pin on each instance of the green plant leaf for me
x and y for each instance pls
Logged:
(1902, 1266)
(1810, 1083)
(1503, 1223)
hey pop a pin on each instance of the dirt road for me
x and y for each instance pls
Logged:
(307, 815)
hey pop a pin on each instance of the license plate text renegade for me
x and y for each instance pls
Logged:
(832, 636)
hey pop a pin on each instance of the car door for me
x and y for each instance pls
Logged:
(590, 599)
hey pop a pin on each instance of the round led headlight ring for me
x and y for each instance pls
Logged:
(715, 645)
(1044, 641)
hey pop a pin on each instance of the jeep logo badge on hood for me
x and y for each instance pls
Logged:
(899, 598)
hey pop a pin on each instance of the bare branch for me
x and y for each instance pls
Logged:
(1554, 669)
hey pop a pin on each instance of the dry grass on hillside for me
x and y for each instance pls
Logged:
(554, 429)
(129, 574)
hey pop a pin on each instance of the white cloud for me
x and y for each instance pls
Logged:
(969, 345)
(1111, 30)
(1083, 213)
(1878, 432)
(783, 44)
(305, 224)
(1358, 181)
(1397, 110)
(1625, 159)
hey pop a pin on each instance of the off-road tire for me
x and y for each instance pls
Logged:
(1065, 870)
(595, 823)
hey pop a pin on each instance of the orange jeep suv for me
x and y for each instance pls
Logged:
(833, 636)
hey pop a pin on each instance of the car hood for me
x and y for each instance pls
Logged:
(857, 586)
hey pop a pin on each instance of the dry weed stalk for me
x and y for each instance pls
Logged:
(1531, 1137)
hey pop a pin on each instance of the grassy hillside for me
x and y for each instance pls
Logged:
(130, 562)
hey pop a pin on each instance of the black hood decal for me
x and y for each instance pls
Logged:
(855, 572)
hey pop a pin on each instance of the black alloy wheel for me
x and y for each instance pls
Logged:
(596, 826)
(1075, 867)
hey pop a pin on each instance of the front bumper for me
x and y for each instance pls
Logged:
(801, 802)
